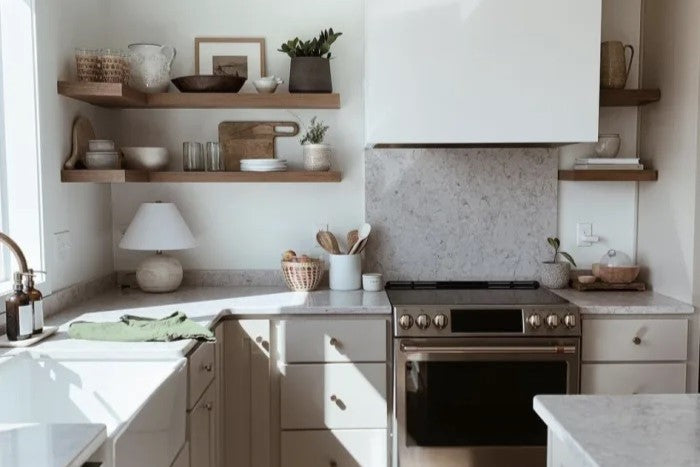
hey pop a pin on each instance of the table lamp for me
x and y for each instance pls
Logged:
(158, 227)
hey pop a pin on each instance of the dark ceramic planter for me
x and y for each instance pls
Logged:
(310, 74)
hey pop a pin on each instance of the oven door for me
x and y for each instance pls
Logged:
(468, 401)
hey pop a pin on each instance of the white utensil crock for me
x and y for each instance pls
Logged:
(345, 272)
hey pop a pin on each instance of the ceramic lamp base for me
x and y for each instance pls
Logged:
(159, 274)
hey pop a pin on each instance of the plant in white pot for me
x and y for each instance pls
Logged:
(317, 154)
(310, 69)
(555, 274)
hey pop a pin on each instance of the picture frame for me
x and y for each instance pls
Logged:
(230, 55)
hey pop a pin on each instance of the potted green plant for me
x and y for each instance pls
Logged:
(555, 274)
(310, 70)
(317, 154)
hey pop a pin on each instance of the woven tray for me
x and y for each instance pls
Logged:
(600, 285)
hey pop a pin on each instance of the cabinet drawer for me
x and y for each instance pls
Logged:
(336, 395)
(200, 368)
(633, 378)
(629, 340)
(341, 448)
(201, 430)
(307, 341)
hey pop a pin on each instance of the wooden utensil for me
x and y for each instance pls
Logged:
(328, 242)
(251, 140)
(352, 238)
(363, 232)
(82, 133)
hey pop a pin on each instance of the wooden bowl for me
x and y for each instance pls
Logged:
(618, 274)
(209, 83)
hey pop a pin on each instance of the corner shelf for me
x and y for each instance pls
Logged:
(628, 97)
(121, 96)
(128, 176)
(609, 175)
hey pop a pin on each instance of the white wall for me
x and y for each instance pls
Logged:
(609, 206)
(245, 226)
(82, 209)
(669, 137)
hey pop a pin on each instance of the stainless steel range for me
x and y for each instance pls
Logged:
(469, 357)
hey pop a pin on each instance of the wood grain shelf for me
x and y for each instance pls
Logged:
(126, 176)
(120, 96)
(628, 97)
(609, 175)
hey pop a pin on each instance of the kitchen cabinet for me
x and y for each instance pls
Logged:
(467, 71)
(341, 448)
(634, 355)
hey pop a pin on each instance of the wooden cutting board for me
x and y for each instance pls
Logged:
(251, 140)
(82, 133)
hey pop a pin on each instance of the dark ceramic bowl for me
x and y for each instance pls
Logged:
(209, 83)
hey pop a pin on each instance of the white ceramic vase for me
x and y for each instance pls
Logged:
(317, 157)
(345, 272)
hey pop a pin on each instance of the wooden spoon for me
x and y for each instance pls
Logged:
(363, 233)
(328, 242)
(353, 236)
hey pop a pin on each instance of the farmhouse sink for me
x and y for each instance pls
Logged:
(141, 403)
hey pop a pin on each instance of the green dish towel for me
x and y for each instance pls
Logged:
(138, 329)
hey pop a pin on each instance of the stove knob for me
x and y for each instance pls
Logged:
(570, 321)
(406, 321)
(440, 321)
(552, 321)
(423, 321)
(534, 320)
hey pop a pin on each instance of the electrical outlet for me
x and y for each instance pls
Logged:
(584, 231)
(64, 244)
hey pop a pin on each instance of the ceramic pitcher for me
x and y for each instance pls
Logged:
(150, 67)
(614, 67)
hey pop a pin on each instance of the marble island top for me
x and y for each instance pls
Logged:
(621, 431)
(625, 303)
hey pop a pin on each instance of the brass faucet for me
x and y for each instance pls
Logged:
(17, 251)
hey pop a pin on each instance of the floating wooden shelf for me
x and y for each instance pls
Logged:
(120, 96)
(125, 176)
(628, 97)
(609, 175)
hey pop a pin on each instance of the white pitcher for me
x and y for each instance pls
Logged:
(150, 67)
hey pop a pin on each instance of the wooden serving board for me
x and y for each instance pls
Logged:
(602, 286)
(83, 132)
(251, 140)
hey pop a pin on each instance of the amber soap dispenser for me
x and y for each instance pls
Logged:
(18, 312)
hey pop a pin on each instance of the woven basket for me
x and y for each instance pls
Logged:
(302, 277)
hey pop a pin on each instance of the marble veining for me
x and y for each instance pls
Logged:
(625, 303)
(620, 431)
(477, 213)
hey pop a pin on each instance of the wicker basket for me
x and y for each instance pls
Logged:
(302, 277)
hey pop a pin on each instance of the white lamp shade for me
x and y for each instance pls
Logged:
(158, 227)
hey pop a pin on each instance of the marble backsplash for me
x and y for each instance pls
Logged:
(460, 214)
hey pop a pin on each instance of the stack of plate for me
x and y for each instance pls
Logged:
(101, 155)
(263, 165)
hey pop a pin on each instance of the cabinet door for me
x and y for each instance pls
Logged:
(246, 394)
(339, 448)
(203, 430)
(467, 71)
(633, 378)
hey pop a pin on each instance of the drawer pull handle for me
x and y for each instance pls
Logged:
(341, 405)
(207, 366)
(209, 406)
(335, 343)
(637, 340)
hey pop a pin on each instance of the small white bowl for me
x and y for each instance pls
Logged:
(101, 145)
(372, 282)
(267, 84)
(146, 158)
(608, 146)
(101, 160)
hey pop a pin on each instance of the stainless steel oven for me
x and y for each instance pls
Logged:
(466, 369)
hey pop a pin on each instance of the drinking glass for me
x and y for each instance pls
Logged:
(88, 64)
(214, 161)
(192, 157)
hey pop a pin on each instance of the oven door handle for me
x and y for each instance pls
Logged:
(482, 350)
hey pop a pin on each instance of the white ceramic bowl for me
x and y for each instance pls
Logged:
(101, 160)
(607, 146)
(146, 158)
(267, 84)
(101, 145)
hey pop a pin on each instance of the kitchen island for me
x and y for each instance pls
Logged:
(621, 431)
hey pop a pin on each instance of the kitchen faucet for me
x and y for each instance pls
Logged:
(17, 251)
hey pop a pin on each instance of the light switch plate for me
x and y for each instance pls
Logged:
(583, 230)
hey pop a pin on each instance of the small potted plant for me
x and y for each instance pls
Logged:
(317, 154)
(310, 70)
(555, 274)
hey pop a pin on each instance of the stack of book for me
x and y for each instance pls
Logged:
(598, 163)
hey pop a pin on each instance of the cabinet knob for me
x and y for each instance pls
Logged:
(209, 406)
(637, 340)
(335, 342)
(332, 464)
(333, 398)
(207, 366)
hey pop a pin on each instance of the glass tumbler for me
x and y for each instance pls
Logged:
(87, 62)
(214, 161)
(192, 157)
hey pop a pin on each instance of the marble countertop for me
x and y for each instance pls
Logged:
(620, 431)
(60, 445)
(205, 305)
(625, 303)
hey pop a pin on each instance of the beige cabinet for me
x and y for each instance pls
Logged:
(202, 429)
(634, 355)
